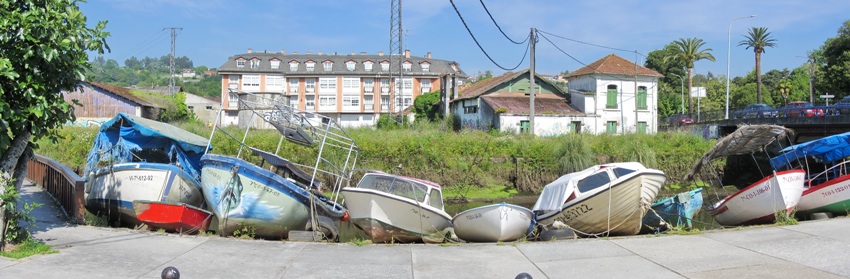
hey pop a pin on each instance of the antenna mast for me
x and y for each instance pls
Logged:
(171, 68)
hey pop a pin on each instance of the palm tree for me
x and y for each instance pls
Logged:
(689, 51)
(758, 38)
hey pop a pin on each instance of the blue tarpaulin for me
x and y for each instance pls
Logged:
(827, 149)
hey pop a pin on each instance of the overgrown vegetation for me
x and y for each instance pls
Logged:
(27, 248)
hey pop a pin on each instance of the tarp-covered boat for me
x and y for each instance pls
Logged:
(675, 211)
(134, 158)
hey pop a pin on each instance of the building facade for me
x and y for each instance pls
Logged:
(354, 89)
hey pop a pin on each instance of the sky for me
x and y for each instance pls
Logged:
(580, 32)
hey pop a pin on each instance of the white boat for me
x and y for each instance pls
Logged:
(608, 199)
(134, 158)
(265, 195)
(392, 208)
(759, 202)
(493, 223)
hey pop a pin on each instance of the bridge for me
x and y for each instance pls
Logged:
(808, 123)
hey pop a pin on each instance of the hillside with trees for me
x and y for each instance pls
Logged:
(150, 71)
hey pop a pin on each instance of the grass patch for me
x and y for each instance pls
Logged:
(360, 242)
(786, 219)
(481, 193)
(683, 231)
(96, 220)
(27, 248)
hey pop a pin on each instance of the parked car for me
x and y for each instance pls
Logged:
(802, 108)
(680, 119)
(756, 111)
(843, 106)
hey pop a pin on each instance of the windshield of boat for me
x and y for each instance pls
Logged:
(395, 186)
(435, 199)
(594, 181)
(620, 172)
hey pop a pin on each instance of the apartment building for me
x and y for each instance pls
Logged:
(353, 88)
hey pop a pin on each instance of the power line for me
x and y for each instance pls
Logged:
(482, 48)
(590, 44)
(499, 27)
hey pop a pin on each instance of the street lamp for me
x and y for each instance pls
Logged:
(729, 58)
(682, 80)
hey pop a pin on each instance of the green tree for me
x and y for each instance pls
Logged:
(833, 71)
(44, 46)
(427, 106)
(758, 38)
(688, 51)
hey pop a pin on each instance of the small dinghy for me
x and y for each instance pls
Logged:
(493, 223)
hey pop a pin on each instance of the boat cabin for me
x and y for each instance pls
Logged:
(421, 191)
(602, 178)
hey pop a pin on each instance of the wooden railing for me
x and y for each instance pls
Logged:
(60, 182)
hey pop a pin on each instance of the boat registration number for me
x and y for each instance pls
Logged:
(577, 211)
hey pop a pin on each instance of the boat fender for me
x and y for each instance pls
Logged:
(345, 217)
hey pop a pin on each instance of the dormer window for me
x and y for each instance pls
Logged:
(293, 66)
(255, 63)
(385, 66)
(328, 65)
(407, 66)
(240, 63)
(275, 63)
(310, 66)
(350, 65)
(367, 65)
(426, 66)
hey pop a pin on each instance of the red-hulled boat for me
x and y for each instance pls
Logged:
(172, 217)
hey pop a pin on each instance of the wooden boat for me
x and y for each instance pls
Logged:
(393, 208)
(759, 202)
(493, 223)
(827, 190)
(609, 199)
(171, 217)
(134, 158)
(269, 194)
(675, 211)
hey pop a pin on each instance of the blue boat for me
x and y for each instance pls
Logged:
(134, 158)
(676, 211)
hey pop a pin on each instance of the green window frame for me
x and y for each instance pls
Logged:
(641, 127)
(611, 97)
(524, 126)
(611, 127)
(641, 98)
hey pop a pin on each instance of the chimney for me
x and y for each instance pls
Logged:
(428, 55)
(319, 53)
(282, 52)
(362, 53)
(406, 53)
(308, 52)
(381, 53)
(250, 50)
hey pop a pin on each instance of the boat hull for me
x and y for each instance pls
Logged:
(112, 191)
(831, 196)
(493, 223)
(614, 210)
(389, 218)
(245, 196)
(172, 217)
(677, 211)
(760, 202)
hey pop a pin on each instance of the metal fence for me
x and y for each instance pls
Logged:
(62, 183)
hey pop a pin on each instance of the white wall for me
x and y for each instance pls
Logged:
(625, 114)
(544, 125)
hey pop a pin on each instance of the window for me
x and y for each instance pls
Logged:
(594, 181)
(293, 86)
(435, 199)
(367, 66)
(402, 102)
(368, 103)
(385, 85)
(209, 108)
(275, 64)
(350, 65)
(233, 82)
(426, 67)
(385, 66)
(233, 100)
(252, 81)
(327, 102)
(192, 108)
(641, 127)
(293, 101)
(425, 86)
(368, 85)
(310, 66)
(328, 66)
(385, 103)
(310, 102)
(611, 97)
(641, 98)
(293, 66)
(407, 66)
(576, 125)
(255, 63)
(611, 127)
(470, 109)
(350, 85)
(351, 102)
(524, 126)
(310, 85)
(327, 85)
(240, 63)
(274, 83)
(408, 85)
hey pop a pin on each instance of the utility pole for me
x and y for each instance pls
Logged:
(171, 68)
(533, 39)
(396, 43)
(811, 80)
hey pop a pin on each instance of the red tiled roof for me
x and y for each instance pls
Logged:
(614, 65)
(518, 103)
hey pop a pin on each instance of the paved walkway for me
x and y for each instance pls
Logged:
(816, 249)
